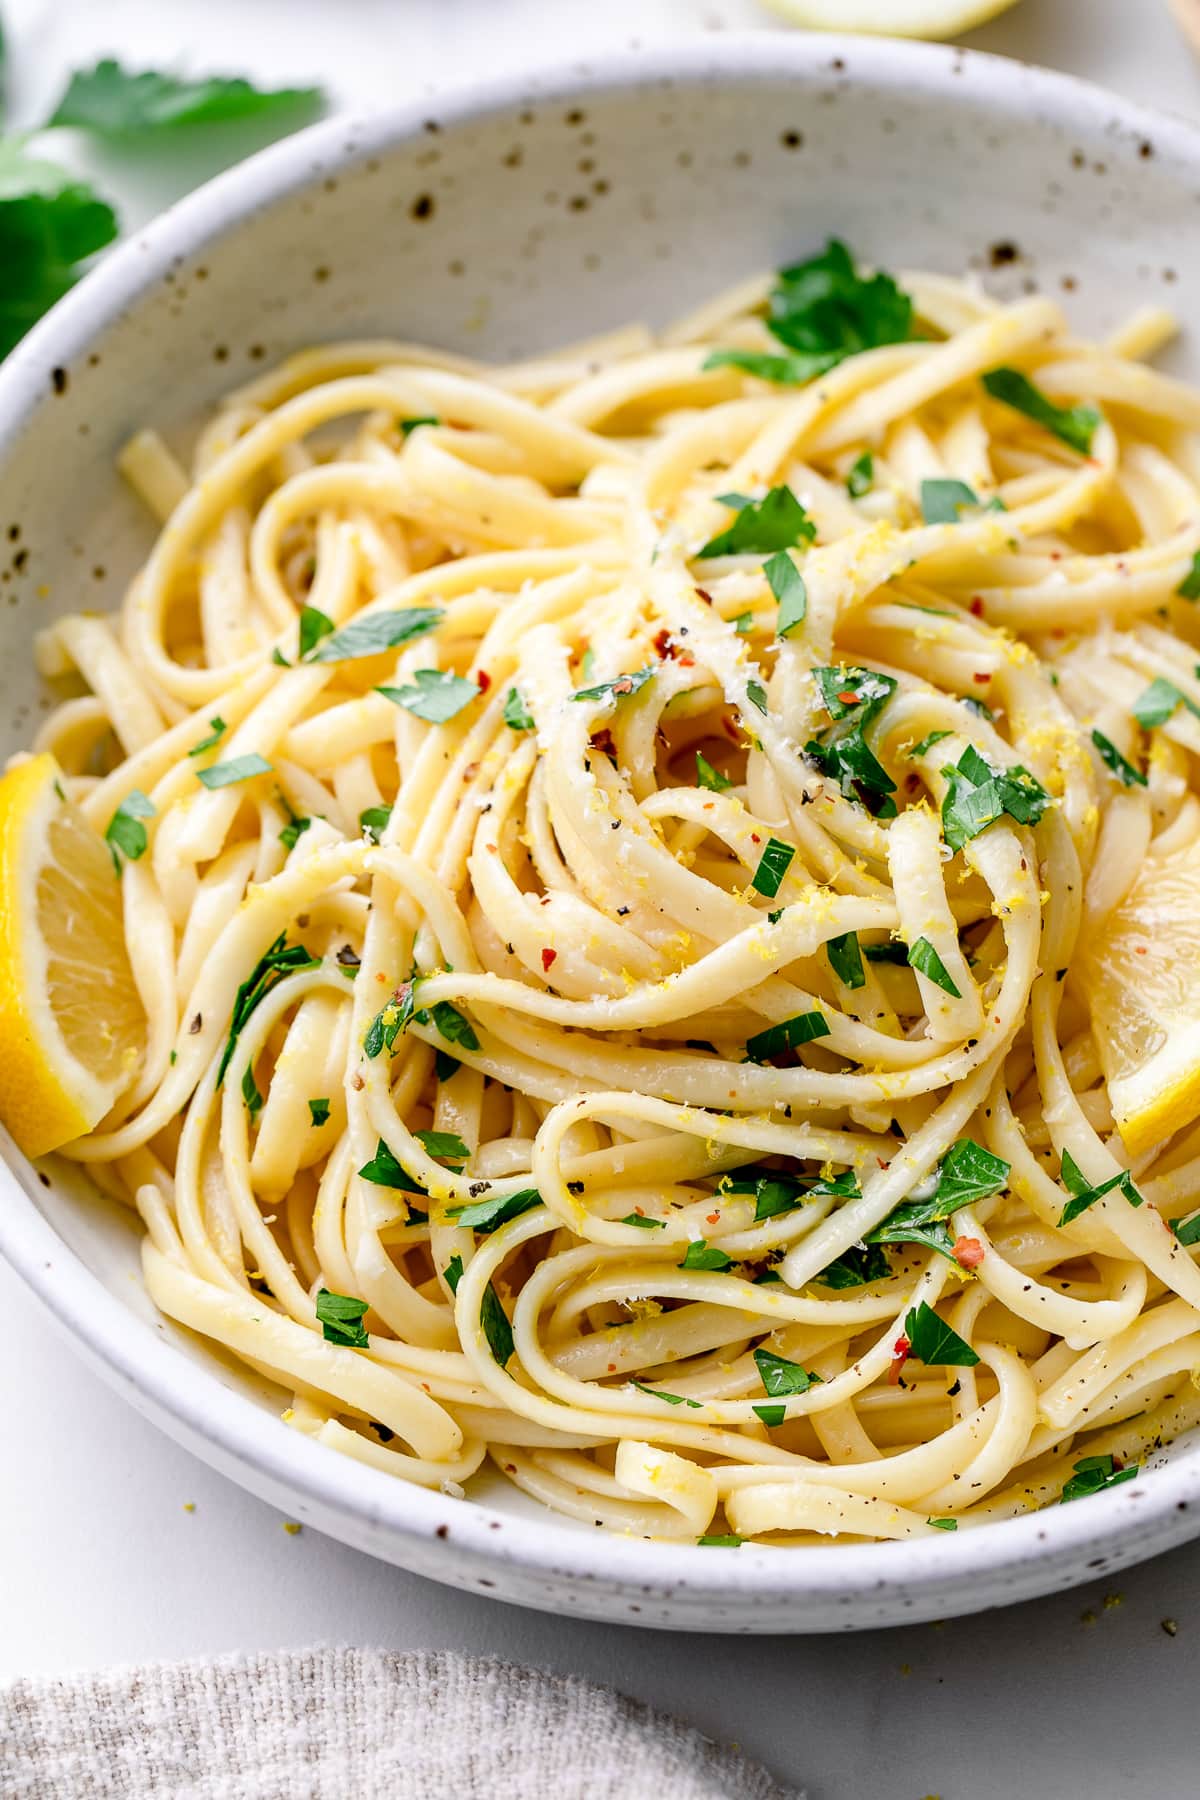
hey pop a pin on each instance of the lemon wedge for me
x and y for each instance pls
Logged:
(892, 18)
(72, 1026)
(1142, 976)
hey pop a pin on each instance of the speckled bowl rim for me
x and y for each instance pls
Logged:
(1030, 1554)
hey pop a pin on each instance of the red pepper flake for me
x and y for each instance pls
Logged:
(848, 698)
(968, 1252)
(982, 676)
(663, 644)
(687, 660)
(903, 1350)
(623, 685)
(1141, 949)
(754, 838)
(705, 596)
(976, 607)
(549, 958)
(712, 1218)
(603, 740)
(483, 680)
(1056, 556)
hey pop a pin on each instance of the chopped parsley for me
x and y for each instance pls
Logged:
(642, 1222)
(391, 1019)
(1189, 587)
(756, 693)
(710, 778)
(1187, 1231)
(854, 698)
(1125, 772)
(924, 958)
(126, 834)
(777, 1192)
(408, 426)
(660, 1394)
(434, 695)
(489, 1215)
(496, 1327)
(617, 688)
(318, 1111)
(517, 715)
(375, 632)
(926, 744)
(943, 500)
(781, 1377)
(453, 1272)
(1083, 1195)
(861, 478)
(1092, 1474)
(893, 951)
(977, 793)
(762, 527)
(770, 1415)
(700, 1255)
(943, 1524)
(1075, 426)
(845, 959)
(384, 1171)
(219, 728)
(933, 1342)
(1156, 705)
(293, 831)
(453, 1026)
(238, 768)
(373, 822)
(341, 1319)
(787, 584)
(727, 1540)
(443, 1144)
(967, 1172)
(314, 625)
(856, 1267)
(281, 960)
(250, 1093)
(801, 1029)
(773, 865)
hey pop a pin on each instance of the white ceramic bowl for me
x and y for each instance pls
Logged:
(498, 222)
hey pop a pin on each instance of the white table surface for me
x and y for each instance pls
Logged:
(101, 1561)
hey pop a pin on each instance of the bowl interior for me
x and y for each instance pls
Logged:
(501, 227)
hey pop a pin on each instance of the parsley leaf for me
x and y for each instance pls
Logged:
(856, 1267)
(770, 1415)
(776, 522)
(454, 1027)
(773, 865)
(384, 1171)
(517, 715)
(967, 1172)
(923, 957)
(642, 1222)
(617, 688)
(787, 584)
(1156, 705)
(977, 793)
(1189, 587)
(341, 1319)
(926, 744)
(943, 500)
(700, 1255)
(219, 728)
(826, 309)
(453, 1272)
(660, 1394)
(373, 822)
(238, 768)
(111, 102)
(126, 835)
(314, 625)
(1095, 1473)
(374, 633)
(943, 1524)
(408, 426)
(1074, 425)
(50, 222)
(1125, 772)
(933, 1342)
(801, 1029)
(442, 1143)
(781, 1377)
(318, 1111)
(853, 698)
(496, 1327)
(845, 959)
(756, 693)
(1187, 1231)
(861, 478)
(250, 1093)
(722, 1540)
(488, 1215)
(435, 695)
(785, 371)
(391, 1019)
(1083, 1196)
(281, 960)
(293, 831)
(710, 778)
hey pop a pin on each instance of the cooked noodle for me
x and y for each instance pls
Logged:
(599, 926)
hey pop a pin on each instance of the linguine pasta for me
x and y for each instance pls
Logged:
(620, 836)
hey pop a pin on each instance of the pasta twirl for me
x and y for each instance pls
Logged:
(625, 837)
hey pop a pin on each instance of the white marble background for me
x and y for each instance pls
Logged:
(1084, 1695)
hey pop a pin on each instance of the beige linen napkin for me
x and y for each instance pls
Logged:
(354, 1725)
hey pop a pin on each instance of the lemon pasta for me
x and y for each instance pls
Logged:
(635, 915)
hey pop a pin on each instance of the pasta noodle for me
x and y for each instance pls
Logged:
(623, 828)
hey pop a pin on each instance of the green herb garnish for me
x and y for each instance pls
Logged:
(977, 793)
(1095, 1473)
(281, 960)
(923, 957)
(1083, 1195)
(710, 778)
(341, 1319)
(517, 715)
(933, 1342)
(219, 728)
(111, 102)
(781, 1377)
(373, 822)
(126, 834)
(861, 478)
(776, 522)
(617, 689)
(374, 633)
(773, 865)
(1124, 771)
(700, 1255)
(434, 695)
(489, 1215)
(787, 584)
(845, 959)
(801, 1029)
(318, 1112)
(1074, 425)
(238, 768)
